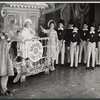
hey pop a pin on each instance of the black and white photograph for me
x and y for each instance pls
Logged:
(49, 50)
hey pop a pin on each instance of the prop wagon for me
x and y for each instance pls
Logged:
(38, 56)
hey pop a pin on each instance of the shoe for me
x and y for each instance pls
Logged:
(52, 69)
(71, 67)
(75, 67)
(62, 65)
(93, 68)
(79, 62)
(87, 68)
(97, 65)
(68, 64)
(84, 64)
(57, 64)
(8, 93)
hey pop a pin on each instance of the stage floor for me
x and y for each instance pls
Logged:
(62, 83)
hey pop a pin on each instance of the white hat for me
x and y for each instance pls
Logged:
(50, 22)
(27, 21)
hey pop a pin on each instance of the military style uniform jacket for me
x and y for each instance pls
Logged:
(74, 37)
(69, 31)
(61, 34)
(93, 37)
(83, 34)
(98, 35)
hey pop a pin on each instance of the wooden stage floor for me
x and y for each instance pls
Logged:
(62, 83)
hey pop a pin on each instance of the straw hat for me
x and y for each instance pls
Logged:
(51, 21)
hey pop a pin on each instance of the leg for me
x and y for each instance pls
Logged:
(4, 81)
(76, 56)
(52, 65)
(18, 75)
(99, 52)
(57, 59)
(68, 56)
(96, 57)
(58, 52)
(88, 54)
(85, 53)
(80, 52)
(93, 54)
(71, 55)
(63, 53)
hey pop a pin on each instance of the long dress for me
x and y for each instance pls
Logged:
(26, 33)
(53, 39)
(6, 67)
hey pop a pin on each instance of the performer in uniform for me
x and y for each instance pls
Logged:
(83, 45)
(69, 31)
(61, 38)
(74, 46)
(27, 33)
(98, 51)
(92, 39)
(53, 41)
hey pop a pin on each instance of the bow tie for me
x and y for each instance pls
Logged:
(92, 32)
(98, 30)
(74, 32)
(60, 29)
(85, 29)
(70, 28)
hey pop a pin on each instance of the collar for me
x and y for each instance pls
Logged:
(92, 32)
(61, 29)
(85, 29)
(70, 28)
(75, 31)
(98, 30)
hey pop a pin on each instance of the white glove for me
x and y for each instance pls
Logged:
(2, 37)
(96, 49)
(68, 48)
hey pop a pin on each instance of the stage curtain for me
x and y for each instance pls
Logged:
(97, 14)
(78, 12)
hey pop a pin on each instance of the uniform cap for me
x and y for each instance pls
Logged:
(70, 22)
(85, 23)
(61, 21)
(92, 25)
(75, 25)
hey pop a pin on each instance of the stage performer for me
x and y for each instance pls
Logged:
(53, 41)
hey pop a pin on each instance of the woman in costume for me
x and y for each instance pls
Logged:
(27, 33)
(53, 41)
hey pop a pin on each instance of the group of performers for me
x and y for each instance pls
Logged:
(74, 41)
